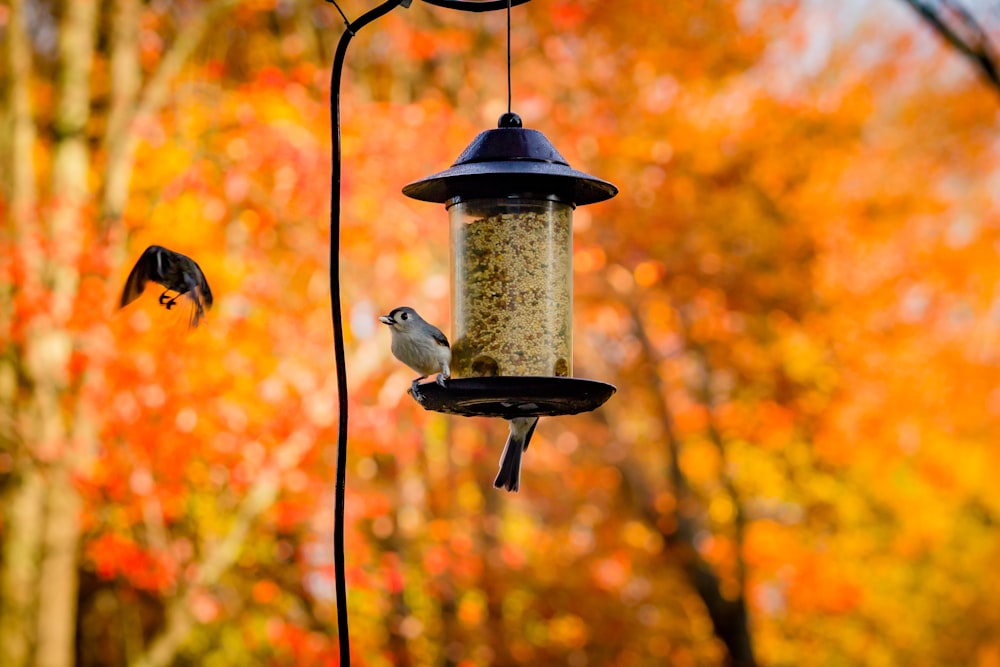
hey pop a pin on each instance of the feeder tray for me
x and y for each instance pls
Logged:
(514, 396)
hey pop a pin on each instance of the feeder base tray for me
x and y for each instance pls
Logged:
(513, 396)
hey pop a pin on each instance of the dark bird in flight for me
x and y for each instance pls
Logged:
(177, 273)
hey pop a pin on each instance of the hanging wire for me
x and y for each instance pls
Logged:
(509, 94)
(347, 21)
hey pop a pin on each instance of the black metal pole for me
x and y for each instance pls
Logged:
(336, 75)
(352, 29)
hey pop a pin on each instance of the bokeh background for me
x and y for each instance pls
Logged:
(797, 293)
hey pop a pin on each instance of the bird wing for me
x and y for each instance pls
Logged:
(141, 273)
(439, 337)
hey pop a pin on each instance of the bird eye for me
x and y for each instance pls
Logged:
(404, 316)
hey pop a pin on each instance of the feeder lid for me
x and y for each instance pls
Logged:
(510, 161)
(514, 396)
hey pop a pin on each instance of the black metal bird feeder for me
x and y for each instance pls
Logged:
(510, 197)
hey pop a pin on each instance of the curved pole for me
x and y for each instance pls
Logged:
(336, 307)
(338, 326)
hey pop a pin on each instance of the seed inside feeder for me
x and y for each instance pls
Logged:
(512, 298)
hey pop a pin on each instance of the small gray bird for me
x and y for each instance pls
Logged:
(175, 272)
(521, 429)
(419, 345)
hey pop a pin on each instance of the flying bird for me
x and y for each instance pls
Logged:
(177, 273)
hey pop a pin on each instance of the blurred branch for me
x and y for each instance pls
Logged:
(70, 156)
(962, 31)
(19, 128)
(715, 436)
(730, 620)
(736, 610)
(50, 342)
(729, 617)
(17, 134)
(155, 93)
(25, 493)
(126, 76)
(23, 514)
(220, 557)
(305, 27)
(121, 135)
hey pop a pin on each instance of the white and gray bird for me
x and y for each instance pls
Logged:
(424, 348)
(521, 429)
(419, 345)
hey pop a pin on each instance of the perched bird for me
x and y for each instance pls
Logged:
(177, 273)
(419, 345)
(521, 429)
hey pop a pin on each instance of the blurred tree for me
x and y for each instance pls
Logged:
(795, 294)
(50, 247)
(40, 560)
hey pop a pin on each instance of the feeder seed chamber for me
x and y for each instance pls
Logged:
(510, 198)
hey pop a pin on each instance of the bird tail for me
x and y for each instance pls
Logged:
(509, 476)
(197, 309)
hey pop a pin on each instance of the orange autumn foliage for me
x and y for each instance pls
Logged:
(795, 294)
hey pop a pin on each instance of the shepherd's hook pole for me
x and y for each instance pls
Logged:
(336, 75)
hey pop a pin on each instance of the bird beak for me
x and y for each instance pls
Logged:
(385, 319)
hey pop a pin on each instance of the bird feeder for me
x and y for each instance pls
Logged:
(510, 197)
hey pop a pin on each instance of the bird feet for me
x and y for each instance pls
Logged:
(415, 391)
(168, 302)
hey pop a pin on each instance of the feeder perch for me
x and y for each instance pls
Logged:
(510, 197)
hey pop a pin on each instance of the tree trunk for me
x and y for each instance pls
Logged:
(57, 590)
(730, 619)
(50, 343)
(51, 433)
(23, 500)
(22, 540)
(119, 139)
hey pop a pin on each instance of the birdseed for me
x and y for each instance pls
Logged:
(512, 291)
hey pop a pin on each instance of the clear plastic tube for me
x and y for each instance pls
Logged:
(512, 287)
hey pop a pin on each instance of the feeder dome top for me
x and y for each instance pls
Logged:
(510, 161)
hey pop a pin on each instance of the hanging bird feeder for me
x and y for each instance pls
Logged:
(510, 197)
